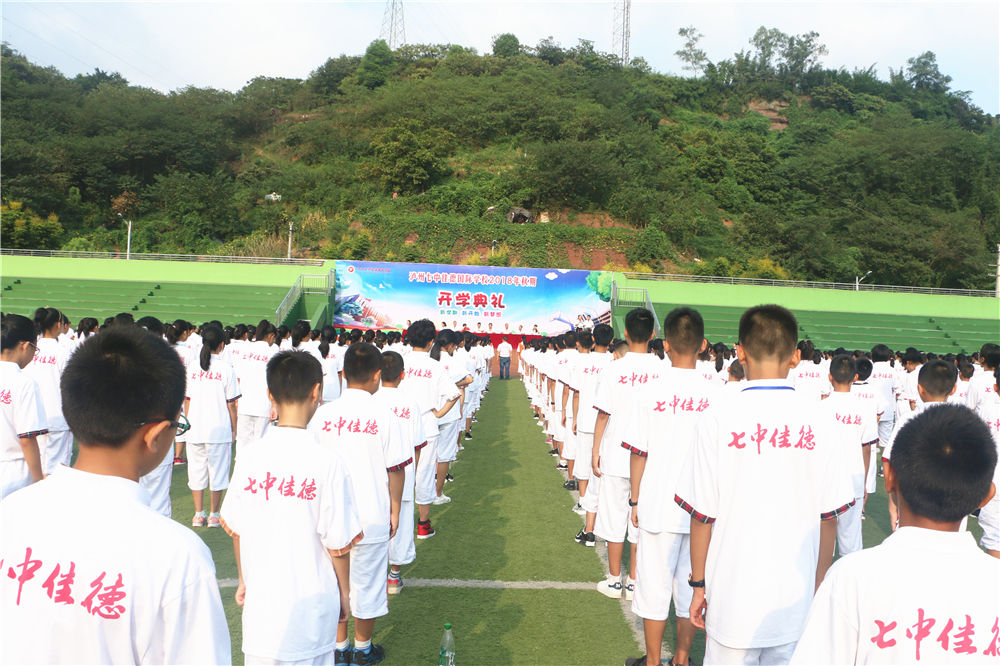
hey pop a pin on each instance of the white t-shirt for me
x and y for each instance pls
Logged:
(79, 588)
(990, 413)
(810, 379)
(905, 418)
(874, 397)
(210, 392)
(290, 501)
(504, 349)
(46, 369)
(430, 386)
(356, 426)
(663, 429)
(333, 365)
(253, 378)
(762, 447)
(618, 387)
(855, 427)
(456, 369)
(884, 378)
(961, 394)
(982, 389)
(922, 596)
(407, 428)
(21, 413)
(583, 375)
(910, 390)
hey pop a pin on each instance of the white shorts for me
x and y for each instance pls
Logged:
(849, 529)
(326, 659)
(989, 520)
(584, 443)
(871, 478)
(424, 490)
(14, 475)
(589, 501)
(208, 465)
(447, 450)
(401, 547)
(556, 429)
(717, 653)
(369, 570)
(470, 406)
(614, 516)
(662, 570)
(249, 429)
(157, 484)
(569, 443)
(56, 448)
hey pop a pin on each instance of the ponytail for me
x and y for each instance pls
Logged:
(46, 319)
(212, 340)
(328, 335)
(299, 333)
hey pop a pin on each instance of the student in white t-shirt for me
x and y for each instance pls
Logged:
(981, 387)
(504, 351)
(989, 516)
(213, 395)
(617, 389)
(254, 407)
(875, 402)
(660, 438)
(22, 418)
(357, 427)
(856, 432)
(765, 445)
(176, 335)
(450, 422)
(408, 430)
(56, 445)
(927, 594)
(92, 574)
(332, 362)
(961, 394)
(935, 382)
(293, 518)
(157, 483)
(591, 359)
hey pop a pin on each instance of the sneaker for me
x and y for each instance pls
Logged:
(571, 485)
(549, 441)
(199, 519)
(636, 661)
(589, 540)
(474, 419)
(468, 435)
(395, 585)
(562, 466)
(424, 530)
(610, 587)
(374, 655)
(579, 510)
(441, 499)
(580, 537)
(343, 657)
(448, 478)
(553, 452)
(629, 589)
(178, 460)
(213, 520)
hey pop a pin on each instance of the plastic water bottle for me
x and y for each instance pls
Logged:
(447, 657)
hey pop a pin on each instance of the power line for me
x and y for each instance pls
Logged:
(621, 31)
(393, 31)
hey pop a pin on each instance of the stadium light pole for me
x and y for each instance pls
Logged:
(128, 243)
(859, 280)
(274, 197)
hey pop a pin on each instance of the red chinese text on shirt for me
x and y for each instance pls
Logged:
(5, 396)
(103, 600)
(953, 635)
(286, 488)
(780, 438)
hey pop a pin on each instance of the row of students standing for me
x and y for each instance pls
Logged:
(725, 485)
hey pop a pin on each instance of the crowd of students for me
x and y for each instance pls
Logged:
(736, 474)
(733, 474)
(341, 441)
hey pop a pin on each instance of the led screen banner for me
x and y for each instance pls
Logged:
(482, 299)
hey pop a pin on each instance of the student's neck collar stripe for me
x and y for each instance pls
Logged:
(769, 388)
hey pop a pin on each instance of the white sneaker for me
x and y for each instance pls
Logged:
(579, 510)
(611, 587)
(441, 499)
(629, 589)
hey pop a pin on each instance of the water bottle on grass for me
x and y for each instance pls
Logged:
(447, 657)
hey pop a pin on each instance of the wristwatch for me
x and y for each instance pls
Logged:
(696, 583)
(631, 503)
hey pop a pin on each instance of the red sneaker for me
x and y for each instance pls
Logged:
(424, 530)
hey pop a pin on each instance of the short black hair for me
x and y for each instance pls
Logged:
(991, 359)
(421, 333)
(843, 368)
(865, 368)
(881, 353)
(639, 324)
(16, 329)
(944, 459)
(151, 324)
(736, 371)
(938, 378)
(361, 362)
(619, 345)
(768, 331)
(569, 339)
(966, 370)
(585, 339)
(603, 335)
(392, 366)
(117, 379)
(684, 330)
(291, 376)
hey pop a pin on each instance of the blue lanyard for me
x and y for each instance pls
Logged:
(768, 388)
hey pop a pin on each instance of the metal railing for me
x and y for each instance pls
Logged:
(634, 297)
(845, 286)
(306, 283)
(148, 256)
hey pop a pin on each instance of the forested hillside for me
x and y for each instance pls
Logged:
(767, 164)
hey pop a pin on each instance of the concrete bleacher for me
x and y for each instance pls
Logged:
(167, 301)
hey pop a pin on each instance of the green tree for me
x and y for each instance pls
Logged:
(376, 64)
(325, 80)
(408, 159)
(922, 73)
(694, 58)
(21, 228)
(506, 45)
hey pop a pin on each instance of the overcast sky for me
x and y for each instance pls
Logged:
(169, 45)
